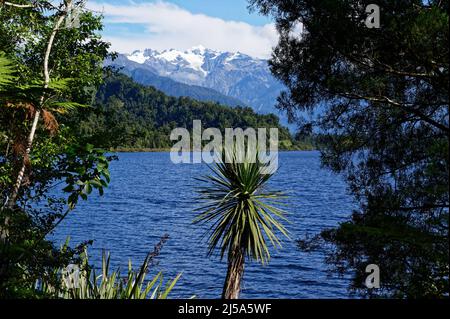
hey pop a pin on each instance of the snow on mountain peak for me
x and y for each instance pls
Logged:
(137, 56)
(192, 58)
(198, 48)
(191, 65)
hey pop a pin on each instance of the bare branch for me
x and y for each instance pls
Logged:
(15, 5)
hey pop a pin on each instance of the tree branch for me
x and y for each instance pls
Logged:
(18, 183)
(15, 5)
(385, 99)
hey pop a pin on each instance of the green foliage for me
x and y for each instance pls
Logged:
(57, 155)
(25, 257)
(85, 168)
(30, 265)
(382, 96)
(7, 71)
(77, 53)
(240, 207)
(174, 88)
(82, 282)
(129, 115)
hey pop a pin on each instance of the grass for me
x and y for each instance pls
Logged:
(83, 282)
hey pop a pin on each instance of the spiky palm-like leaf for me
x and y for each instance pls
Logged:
(85, 283)
(240, 207)
(33, 91)
(7, 71)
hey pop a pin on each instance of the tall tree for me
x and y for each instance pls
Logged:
(242, 213)
(382, 97)
(49, 69)
(57, 25)
(54, 19)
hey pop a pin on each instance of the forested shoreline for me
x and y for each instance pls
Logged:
(127, 116)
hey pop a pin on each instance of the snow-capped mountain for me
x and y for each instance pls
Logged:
(233, 74)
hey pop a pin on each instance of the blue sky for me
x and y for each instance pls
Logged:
(225, 9)
(224, 25)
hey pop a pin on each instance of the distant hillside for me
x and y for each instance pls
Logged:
(231, 74)
(148, 76)
(130, 115)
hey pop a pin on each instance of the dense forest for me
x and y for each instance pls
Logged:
(128, 115)
(382, 97)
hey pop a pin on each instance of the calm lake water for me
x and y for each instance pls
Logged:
(149, 197)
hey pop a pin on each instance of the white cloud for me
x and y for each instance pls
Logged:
(169, 26)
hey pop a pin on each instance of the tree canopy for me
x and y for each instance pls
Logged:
(382, 101)
(45, 68)
(128, 115)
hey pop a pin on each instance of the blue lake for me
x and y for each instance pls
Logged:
(150, 196)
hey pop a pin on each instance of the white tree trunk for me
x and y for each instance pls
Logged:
(20, 175)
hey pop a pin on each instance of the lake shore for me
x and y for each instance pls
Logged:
(166, 150)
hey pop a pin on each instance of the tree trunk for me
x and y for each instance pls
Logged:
(18, 183)
(232, 286)
(15, 191)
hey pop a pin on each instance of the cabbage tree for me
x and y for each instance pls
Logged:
(242, 213)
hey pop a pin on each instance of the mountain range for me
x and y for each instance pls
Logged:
(230, 78)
